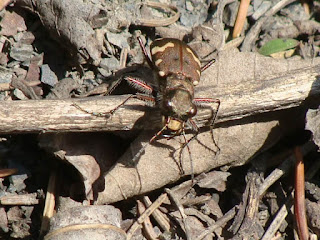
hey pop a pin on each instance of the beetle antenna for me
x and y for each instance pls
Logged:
(207, 65)
(145, 53)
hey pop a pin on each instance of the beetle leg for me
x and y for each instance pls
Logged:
(148, 59)
(134, 82)
(208, 65)
(195, 128)
(96, 114)
(201, 102)
(139, 84)
(158, 133)
(149, 99)
(104, 114)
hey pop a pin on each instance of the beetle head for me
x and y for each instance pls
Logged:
(177, 104)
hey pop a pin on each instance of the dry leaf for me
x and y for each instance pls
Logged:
(214, 179)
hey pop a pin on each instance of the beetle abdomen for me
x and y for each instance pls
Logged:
(172, 56)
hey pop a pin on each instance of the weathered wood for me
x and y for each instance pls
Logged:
(255, 89)
(63, 116)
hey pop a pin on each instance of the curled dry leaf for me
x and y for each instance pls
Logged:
(160, 164)
(88, 157)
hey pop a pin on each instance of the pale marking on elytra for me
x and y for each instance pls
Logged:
(162, 73)
(195, 83)
(158, 62)
(194, 57)
(156, 49)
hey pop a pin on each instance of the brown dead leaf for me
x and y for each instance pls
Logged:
(68, 23)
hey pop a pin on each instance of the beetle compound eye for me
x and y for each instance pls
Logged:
(168, 105)
(192, 111)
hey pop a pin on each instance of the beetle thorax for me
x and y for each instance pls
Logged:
(175, 81)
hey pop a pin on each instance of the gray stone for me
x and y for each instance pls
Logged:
(19, 94)
(18, 181)
(119, 39)
(5, 75)
(21, 52)
(48, 76)
(109, 64)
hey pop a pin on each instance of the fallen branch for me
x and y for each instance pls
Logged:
(261, 85)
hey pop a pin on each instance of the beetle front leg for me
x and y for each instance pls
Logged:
(202, 102)
(104, 114)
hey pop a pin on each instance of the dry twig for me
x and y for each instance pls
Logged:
(241, 17)
(277, 221)
(256, 28)
(176, 201)
(147, 225)
(159, 22)
(146, 213)
(7, 172)
(220, 222)
(49, 206)
(161, 219)
(299, 196)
